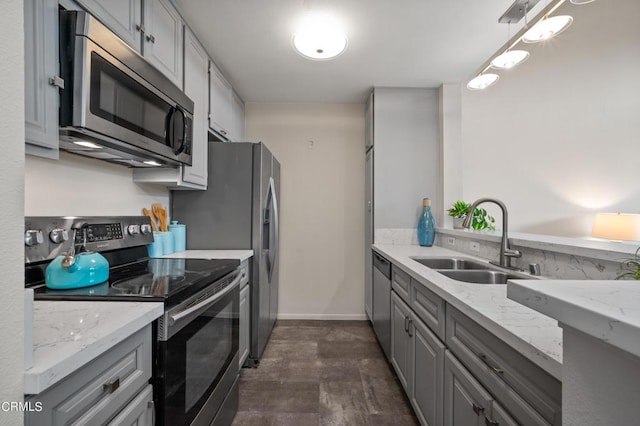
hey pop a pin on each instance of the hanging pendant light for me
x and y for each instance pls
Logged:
(483, 81)
(547, 28)
(509, 59)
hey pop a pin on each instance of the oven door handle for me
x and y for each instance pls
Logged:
(205, 303)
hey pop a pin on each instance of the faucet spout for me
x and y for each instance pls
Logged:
(506, 252)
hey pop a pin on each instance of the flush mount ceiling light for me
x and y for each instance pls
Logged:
(319, 39)
(152, 163)
(509, 59)
(582, 1)
(483, 81)
(547, 28)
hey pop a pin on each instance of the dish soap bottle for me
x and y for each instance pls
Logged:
(426, 225)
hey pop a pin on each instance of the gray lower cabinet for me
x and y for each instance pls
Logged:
(111, 389)
(427, 366)
(401, 340)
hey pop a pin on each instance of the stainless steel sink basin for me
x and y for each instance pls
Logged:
(451, 263)
(482, 277)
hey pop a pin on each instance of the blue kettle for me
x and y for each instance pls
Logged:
(77, 270)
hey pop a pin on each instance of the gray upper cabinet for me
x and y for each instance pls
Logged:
(237, 119)
(41, 68)
(162, 43)
(152, 27)
(124, 17)
(220, 103)
(196, 63)
(368, 123)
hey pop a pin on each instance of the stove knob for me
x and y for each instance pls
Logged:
(145, 229)
(33, 237)
(133, 229)
(59, 235)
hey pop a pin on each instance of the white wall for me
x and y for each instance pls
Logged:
(322, 199)
(11, 207)
(79, 186)
(556, 138)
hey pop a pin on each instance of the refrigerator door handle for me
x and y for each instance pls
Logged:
(275, 249)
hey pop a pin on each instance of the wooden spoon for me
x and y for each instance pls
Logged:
(161, 214)
(148, 213)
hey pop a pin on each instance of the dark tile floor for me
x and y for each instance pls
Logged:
(322, 373)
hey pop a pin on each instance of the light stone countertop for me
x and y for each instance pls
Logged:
(534, 335)
(68, 335)
(212, 254)
(606, 310)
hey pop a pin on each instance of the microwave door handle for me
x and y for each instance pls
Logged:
(183, 145)
(169, 127)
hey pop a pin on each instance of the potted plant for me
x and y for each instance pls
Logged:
(630, 268)
(481, 220)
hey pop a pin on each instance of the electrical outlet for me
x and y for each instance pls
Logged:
(451, 241)
(474, 246)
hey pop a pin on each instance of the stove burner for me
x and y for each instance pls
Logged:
(150, 284)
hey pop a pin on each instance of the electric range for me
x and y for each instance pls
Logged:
(201, 298)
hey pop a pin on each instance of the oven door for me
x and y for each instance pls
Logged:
(197, 365)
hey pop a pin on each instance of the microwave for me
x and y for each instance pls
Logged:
(114, 105)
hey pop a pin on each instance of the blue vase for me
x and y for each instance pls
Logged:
(426, 225)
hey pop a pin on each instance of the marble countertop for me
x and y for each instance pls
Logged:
(212, 254)
(67, 335)
(606, 310)
(534, 335)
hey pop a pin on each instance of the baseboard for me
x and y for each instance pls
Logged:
(324, 317)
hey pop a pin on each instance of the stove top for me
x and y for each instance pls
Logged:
(166, 280)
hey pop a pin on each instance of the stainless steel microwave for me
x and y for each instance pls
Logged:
(114, 105)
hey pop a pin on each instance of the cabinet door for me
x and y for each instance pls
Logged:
(466, 402)
(368, 236)
(220, 99)
(499, 417)
(123, 17)
(237, 119)
(401, 341)
(368, 123)
(196, 63)
(428, 371)
(139, 412)
(245, 304)
(40, 65)
(162, 44)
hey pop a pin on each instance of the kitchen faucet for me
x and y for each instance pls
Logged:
(506, 252)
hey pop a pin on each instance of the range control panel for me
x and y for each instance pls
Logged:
(46, 237)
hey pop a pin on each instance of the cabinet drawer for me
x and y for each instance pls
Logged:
(429, 307)
(139, 412)
(401, 283)
(531, 395)
(99, 390)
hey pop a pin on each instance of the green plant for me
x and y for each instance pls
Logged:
(630, 268)
(481, 220)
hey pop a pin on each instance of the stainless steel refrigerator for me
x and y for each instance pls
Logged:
(239, 210)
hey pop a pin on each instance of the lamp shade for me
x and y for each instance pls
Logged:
(617, 226)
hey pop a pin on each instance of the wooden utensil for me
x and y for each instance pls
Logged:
(161, 214)
(148, 213)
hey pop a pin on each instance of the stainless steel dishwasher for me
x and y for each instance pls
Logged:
(382, 301)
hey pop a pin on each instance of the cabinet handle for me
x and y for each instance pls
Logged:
(409, 328)
(152, 406)
(224, 132)
(477, 409)
(57, 81)
(490, 422)
(111, 385)
(151, 38)
(495, 369)
(140, 28)
(406, 324)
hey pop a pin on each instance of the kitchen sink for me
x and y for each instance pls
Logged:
(481, 277)
(451, 263)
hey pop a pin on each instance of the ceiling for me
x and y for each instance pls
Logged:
(401, 43)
